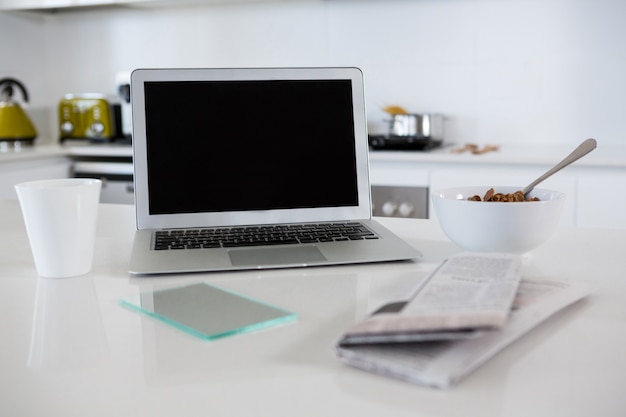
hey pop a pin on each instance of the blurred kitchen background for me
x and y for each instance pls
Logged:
(501, 71)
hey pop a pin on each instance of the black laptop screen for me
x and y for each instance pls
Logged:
(249, 145)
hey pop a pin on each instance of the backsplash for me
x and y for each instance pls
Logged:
(516, 71)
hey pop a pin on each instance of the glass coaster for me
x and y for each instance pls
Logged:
(208, 312)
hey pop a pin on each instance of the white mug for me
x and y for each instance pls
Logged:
(60, 217)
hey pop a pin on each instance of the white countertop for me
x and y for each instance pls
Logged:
(115, 150)
(8, 154)
(603, 156)
(88, 356)
(25, 153)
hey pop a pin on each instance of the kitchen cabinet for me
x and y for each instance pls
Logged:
(30, 165)
(593, 185)
(112, 164)
(600, 198)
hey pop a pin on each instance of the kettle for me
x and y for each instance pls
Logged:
(14, 122)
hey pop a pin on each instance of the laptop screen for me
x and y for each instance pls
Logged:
(220, 147)
(249, 145)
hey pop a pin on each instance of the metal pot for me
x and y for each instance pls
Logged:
(416, 125)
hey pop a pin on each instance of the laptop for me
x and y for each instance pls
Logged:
(253, 168)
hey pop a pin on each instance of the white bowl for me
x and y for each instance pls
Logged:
(481, 226)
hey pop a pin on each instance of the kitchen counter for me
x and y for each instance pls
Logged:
(30, 163)
(101, 149)
(70, 350)
(513, 164)
(9, 153)
(23, 153)
(602, 156)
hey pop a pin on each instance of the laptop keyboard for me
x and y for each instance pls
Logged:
(228, 237)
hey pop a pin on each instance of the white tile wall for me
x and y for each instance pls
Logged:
(503, 71)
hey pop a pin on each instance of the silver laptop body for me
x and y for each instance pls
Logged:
(223, 148)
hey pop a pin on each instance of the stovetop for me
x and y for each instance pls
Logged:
(405, 143)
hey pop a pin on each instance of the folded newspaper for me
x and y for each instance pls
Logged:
(394, 341)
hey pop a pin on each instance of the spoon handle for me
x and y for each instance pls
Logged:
(583, 149)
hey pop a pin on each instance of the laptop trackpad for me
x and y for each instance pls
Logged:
(298, 255)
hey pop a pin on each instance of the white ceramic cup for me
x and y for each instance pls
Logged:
(60, 217)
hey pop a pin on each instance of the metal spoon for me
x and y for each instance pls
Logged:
(582, 150)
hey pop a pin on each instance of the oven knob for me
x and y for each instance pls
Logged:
(406, 209)
(97, 128)
(67, 127)
(389, 208)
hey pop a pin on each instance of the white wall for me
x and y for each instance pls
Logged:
(502, 71)
(22, 56)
